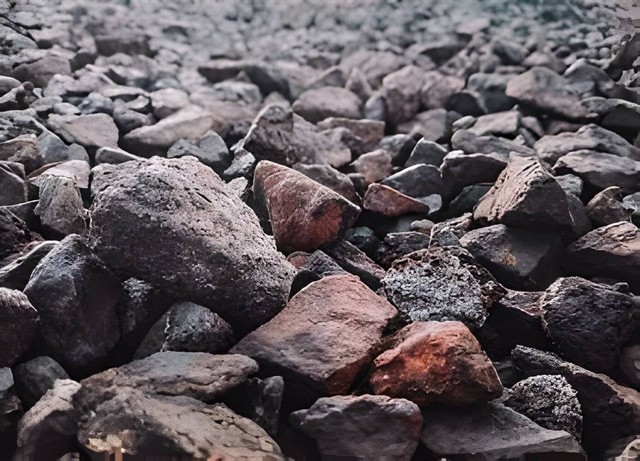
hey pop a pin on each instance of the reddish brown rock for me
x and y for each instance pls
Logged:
(304, 214)
(436, 363)
(323, 339)
(389, 202)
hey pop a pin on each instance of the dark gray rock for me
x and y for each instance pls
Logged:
(35, 377)
(259, 400)
(492, 89)
(460, 170)
(10, 407)
(18, 322)
(13, 186)
(471, 143)
(331, 178)
(113, 156)
(587, 322)
(329, 101)
(548, 400)
(16, 274)
(368, 426)
(442, 284)
(60, 208)
(15, 236)
(266, 76)
(426, 152)
(211, 150)
(22, 149)
(356, 262)
(401, 93)
(608, 207)
(416, 181)
(76, 297)
(183, 250)
(519, 259)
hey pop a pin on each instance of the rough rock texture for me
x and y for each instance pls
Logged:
(494, 432)
(326, 335)
(76, 297)
(259, 400)
(518, 258)
(174, 223)
(15, 275)
(442, 284)
(435, 363)
(610, 411)
(526, 195)
(35, 377)
(328, 101)
(18, 323)
(60, 208)
(14, 234)
(548, 400)
(369, 426)
(304, 214)
(607, 207)
(587, 322)
(612, 251)
(390, 202)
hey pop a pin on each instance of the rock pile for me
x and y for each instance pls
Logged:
(318, 230)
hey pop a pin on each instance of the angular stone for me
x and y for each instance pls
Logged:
(259, 400)
(10, 408)
(526, 195)
(399, 244)
(390, 202)
(494, 432)
(13, 187)
(607, 207)
(401, 92)
(77, 171)
(15, 236)
(114, 156)
(501, 124)
(601, 170)
(519, 259)
(356, 262)
(442, 284)
(202, 244)
(18, 323)
(304, 214)
(610, 411)
(460, 170)
(546, 91)
(370, 132)
(187, 327)
(168, 101)
(428, 153)
(374, 166)
(60, 207)
(328, 101)
(331, 178)
(435, 363)
(279, 135)
(266, 76)
(548, 400)
(416, 181)
(612, 251)
(22, 149)
(76, 297)
(587, 322)
(323, 339)
(370, 426)
(167, 425)
(16, 274)
(93, 130)
(35, 377)
(471, 143)
(435, 94)
(211, 150)
(311, 268)
(50, 426)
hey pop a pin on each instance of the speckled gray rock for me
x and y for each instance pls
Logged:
(442, 284)
(35, 377)
(60, 207)
(548, 400)
(365, 426)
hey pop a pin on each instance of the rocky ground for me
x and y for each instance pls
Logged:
(358, 229)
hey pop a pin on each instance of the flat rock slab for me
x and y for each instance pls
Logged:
(174, 223)
(324, 338)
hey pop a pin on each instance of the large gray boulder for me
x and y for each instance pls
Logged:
(174, 223)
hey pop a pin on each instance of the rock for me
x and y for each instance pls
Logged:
(16, 274)
(114, 156)
(168, 101)
(40, 71)
(259, 400)
(548, 400)
(399, 147)
(266, 76)
(19, 322)
(368, 426)
(139, 423)
(544, 90)
(374, 166)
(433, 125)
(471, 143)
(442, 284)
(218, 256)
(187, 327)
(435, 363)
(436, 94)
(331, 178)
(571, 184)
(198, 375)
(279, 135)
(94, 130)
(50, 426)
(22, 149)
(494, 432)
(311, 268)
(526, 195)
(323, 339)
(467, 199)
(587, 322)
(15, 236)
(304, 214)
(607, 207)
(10, 408)
(428, 153)
(189, 123)
(213, 153)
(416, 181)
(398, 244)
(12, 185)
(589, 137)
(35, 377)
(76, 297)
(501, 124)
(612, 251)
(328, 101)
(492, 90)
(370, 132)
(519, 259)
(609, 411)
(374, 65)
(77, 171)
(401, 93)
(390, 202)
(460, 170)
(601, 170)
(356, 262)
(60, 207)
